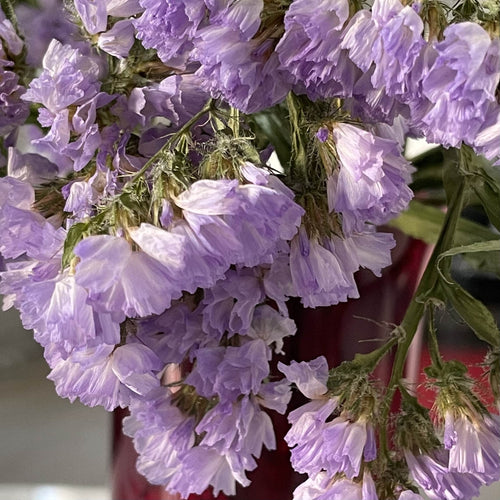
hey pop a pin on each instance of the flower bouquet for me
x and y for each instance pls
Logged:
(174, 171)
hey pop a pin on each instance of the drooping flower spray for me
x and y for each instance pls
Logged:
(172, 173)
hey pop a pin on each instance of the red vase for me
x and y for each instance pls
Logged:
(337, 332)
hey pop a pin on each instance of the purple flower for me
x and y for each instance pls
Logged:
(275, 395)
(398, 45)
(93, 14)
(236, 223)
(390, 37)
(23, 230)
(169, 27)
(371, 184)
(13, 42)
(41, 24)
(373, 105)
(13, 111)
(31, 168)
(203, 467)
(409, 495)
(161, 434)
(277, 281)
(121, 281)
(323, 269)
(321, 441)
(309, 377)
(105, 375)
(453, 94)
(310, 50)
(229, 305)
(322, 486)
(237, 431)
(431, 473)
(306, 436)
(317, 272)
(69, 320)
(486, 141)
(230, 372)
(347, 444)
(68, 78)
(241, 72)
(474, 445)
(368, 249)
(242, 68)
(118, 40)
(270, 326)
(161, 333)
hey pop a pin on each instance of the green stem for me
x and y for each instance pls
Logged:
(299, 164)
(433, 341)
(185, 128)
(10, 14)
(416, 309)
(369, 361)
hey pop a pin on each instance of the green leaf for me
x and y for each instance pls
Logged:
(473, 312)
(487, 251)
(75, 234)
(424, 222)
(484, 181)
(488, 193)
(272, 126)
(481, 246)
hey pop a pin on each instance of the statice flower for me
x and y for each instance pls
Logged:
(40, 24)
(232, 371)
(13, 111)
(323, 487)
(409, 495)
(230, 304)
(323, 269)
(68, 78)
(31, 168)
(390, 37)
(104, 374)
(310, 49)
(474, 445)
(236, 63)
(187, 443)
(486, 141)
(309, 259)
(371, 184)
(170, 27)
(457, 88)
(235, 223)
(24, 231)
(374, 105)
(161, 433)
(11, 41)
(118, 40)
(115, 287)
(328, 440)
(161, 333)
(237, 431)
(431, 473)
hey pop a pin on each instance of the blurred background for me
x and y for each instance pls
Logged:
(50, 448)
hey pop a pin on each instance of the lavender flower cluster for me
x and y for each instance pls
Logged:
(152, 247)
